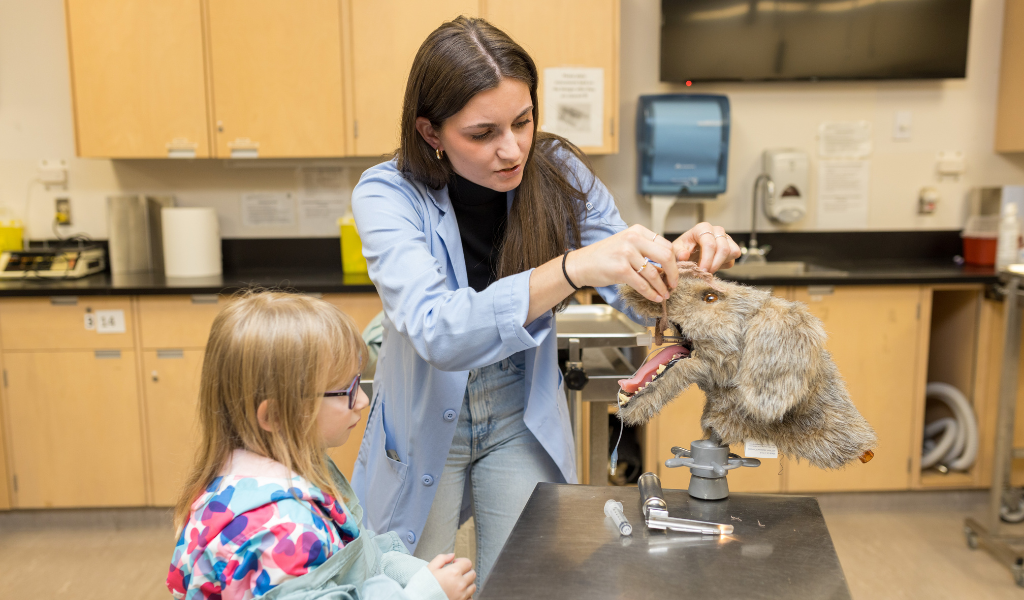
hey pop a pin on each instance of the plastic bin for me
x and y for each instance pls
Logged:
(981, 236)
(352, 260)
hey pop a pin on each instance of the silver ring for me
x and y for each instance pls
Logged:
(646, 260)
(718, 236)
(707, 232)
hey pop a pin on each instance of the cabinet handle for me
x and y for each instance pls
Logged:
(155, 376)
(107, 353)
(205, 298)
(171, 353)
(821, 290)
(63, 300)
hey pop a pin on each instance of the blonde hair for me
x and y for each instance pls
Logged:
(284, 348)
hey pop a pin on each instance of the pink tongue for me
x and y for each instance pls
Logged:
(646, 373)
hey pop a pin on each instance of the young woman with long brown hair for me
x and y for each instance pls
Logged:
(473, 233)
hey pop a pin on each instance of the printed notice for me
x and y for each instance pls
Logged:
(843, 194)
(321, 182)
(326, 195)
(574, 104)
(268, 209)
(844, 139)
(752, 449)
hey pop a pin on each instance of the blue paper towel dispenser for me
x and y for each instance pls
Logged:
(683, 144)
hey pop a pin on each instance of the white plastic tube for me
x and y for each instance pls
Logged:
(966, 422)
(948, 428)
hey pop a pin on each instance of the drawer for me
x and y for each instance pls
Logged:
(66, 323)
(178, 321)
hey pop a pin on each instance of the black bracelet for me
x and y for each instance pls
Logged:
(566, 273)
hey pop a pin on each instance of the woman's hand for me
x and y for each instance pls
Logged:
(622, 258)
(456, 576)
(715, 248)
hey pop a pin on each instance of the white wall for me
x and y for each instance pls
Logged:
(36, 123)
(947, 115)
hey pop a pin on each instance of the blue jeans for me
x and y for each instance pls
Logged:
(503, 459)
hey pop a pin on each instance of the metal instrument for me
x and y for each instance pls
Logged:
(655, 511)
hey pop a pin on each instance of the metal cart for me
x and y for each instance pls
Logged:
(596, 326)
(994, 538)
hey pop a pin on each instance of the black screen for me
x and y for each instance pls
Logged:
(730, 40)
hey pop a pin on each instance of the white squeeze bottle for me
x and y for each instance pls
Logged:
(1009, 236)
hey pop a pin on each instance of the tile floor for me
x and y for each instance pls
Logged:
(898, 546)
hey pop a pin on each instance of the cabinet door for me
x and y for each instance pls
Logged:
(171, 381)
(873, 339)
(276, 71)
(385, 35)
(569, 33)
(138, 78)
(74, 429)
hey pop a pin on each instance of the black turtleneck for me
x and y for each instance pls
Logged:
(481, 214)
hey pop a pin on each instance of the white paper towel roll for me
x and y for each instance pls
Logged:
(191, 242)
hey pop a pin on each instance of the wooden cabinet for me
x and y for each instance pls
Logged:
(568, 33)
(74, 431)
(1009, 114)
(874, 336)
(138, 78)
(385, 35)
(276, 76)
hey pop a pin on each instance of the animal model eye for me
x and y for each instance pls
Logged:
(710, 297)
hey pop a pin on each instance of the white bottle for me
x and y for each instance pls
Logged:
(1009, 236)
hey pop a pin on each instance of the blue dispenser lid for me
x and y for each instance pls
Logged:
(683, 144)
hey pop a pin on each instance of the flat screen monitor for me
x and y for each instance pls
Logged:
(765, 40)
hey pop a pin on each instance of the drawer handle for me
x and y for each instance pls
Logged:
(107, 353)
(63, 300)
(205, 298)
(821, 290)
(173, 353)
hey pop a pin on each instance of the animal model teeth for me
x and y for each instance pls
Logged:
(661, 369)
(623, 398)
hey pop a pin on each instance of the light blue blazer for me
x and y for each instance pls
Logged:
(437, 328)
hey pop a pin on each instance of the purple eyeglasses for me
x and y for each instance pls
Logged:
(350, 391)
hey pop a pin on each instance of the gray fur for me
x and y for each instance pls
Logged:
(762, 364)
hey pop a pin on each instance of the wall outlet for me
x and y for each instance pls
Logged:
(53, 172)
(63, 214)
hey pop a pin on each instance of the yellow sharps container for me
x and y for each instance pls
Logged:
(11, 234)
(352, 261)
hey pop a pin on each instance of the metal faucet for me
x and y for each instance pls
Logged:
(751, 253)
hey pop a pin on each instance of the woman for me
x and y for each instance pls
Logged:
(477, 229)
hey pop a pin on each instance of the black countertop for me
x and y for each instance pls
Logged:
(312, 265)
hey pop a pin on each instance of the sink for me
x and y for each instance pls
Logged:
(792, 268)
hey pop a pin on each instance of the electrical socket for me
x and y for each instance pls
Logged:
(63, 207)
(53, 172)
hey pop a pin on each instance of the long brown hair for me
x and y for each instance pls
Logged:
(285, 348)
(460, 59)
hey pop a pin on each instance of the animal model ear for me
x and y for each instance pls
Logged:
(782, 353)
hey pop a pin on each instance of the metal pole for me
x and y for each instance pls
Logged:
(576, 405)
(1007, 402)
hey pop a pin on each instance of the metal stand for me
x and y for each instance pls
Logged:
(992, 538)
(709, 462)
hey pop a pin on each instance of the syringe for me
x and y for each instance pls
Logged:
(614, 510)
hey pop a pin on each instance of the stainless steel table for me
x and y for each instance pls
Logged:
(564, 547)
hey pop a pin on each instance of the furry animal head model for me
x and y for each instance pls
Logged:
(762, 364)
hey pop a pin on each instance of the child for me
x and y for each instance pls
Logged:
(264, 510)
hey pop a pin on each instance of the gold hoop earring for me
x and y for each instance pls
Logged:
(439, 153)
